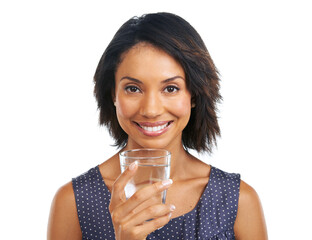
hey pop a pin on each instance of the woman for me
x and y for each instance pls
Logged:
(157, 87)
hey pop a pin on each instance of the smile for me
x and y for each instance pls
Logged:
(153, 129)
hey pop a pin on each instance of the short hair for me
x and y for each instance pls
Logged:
(176, 37)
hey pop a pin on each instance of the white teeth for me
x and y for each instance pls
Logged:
(154, 129)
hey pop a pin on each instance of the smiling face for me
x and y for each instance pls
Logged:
(152, 102)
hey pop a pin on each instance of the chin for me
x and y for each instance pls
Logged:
(156, 144)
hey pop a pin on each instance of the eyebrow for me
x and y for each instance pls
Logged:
(164, 81)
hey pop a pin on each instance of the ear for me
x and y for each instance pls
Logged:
(113, 96)
(193, 102)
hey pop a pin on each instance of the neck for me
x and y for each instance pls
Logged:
(180, 159)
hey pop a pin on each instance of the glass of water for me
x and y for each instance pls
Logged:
(153, 166)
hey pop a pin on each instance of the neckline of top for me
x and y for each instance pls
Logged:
(178, 217)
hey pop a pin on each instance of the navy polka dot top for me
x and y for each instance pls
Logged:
(213, 217)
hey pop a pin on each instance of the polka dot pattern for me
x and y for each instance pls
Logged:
(213, 217)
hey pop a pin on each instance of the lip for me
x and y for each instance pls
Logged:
(156, 133)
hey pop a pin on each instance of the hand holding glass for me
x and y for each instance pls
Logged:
(153, 166)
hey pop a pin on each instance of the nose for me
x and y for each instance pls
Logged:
(151, 106)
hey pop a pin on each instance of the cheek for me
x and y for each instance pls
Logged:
(124, 108)
(181, 108)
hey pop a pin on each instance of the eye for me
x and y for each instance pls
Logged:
(132, 89)
(171, 89)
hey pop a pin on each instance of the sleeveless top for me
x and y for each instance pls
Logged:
(212, 218)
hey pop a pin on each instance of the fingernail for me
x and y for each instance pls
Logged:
(133, 165)
(169, 215)
(167, 182)
(172, 207)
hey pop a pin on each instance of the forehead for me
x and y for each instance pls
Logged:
(146, 59)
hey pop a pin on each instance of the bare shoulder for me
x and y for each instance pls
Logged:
(249, 223)
(110, 170)
(63, 220)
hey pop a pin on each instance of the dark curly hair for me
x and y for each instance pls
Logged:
(180, 40)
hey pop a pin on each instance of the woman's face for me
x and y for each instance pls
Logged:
(152, 102)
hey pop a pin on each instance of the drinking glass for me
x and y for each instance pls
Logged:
(153, 166)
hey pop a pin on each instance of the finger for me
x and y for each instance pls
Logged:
(118, 187)
(153, 225)
(152, 212)
(142, 195)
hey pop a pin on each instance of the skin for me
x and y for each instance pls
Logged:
(150, 88)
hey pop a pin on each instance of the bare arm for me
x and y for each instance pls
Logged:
(250, 223)
(63, 220)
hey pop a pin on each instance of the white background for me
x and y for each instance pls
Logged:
(49, 128)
